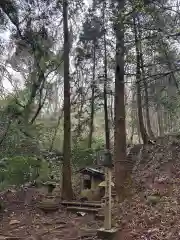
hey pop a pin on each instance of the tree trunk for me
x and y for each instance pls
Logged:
(138, 127)
(80, 115)
(142, 128)
(132, 134)
(133, 117)
(121, 166)
(146, 95)
(106, 118)
(149, 128)
(40, 104)
(67, 192)
(165, 120)
(91, 124)
(111, 108)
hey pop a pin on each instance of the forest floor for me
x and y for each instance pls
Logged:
(23, 220)
(153, 211)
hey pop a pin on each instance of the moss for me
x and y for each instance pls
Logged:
(153, 199)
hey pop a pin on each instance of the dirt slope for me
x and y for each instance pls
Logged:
(154, 210)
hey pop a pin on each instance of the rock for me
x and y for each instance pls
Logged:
(14, 221)
(48, 205)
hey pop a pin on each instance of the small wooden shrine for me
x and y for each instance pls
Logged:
(91, 177)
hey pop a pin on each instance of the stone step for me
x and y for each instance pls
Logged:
(82, 204)
(83, 209)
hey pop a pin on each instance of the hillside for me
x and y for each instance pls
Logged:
(151, 213)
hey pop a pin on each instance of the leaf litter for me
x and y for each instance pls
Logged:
(152, 213)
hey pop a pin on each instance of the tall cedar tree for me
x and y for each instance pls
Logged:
(121, 165)
(106, 118)
(67, 192)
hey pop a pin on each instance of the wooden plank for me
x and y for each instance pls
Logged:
(83, 209)
(83, 204)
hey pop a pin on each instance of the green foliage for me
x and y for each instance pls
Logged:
(44, 172)
(83, 156)
(46, 130)
(11, 106)
(17, 143)
(18, 137)
(18, 170)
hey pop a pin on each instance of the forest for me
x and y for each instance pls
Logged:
(78, 77)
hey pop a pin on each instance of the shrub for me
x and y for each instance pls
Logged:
(19, 170)
(83, 156)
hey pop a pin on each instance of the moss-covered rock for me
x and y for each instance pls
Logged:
(153, 199)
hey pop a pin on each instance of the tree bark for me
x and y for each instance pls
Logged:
(111, 108)
(106, 118)
(91, 124)
(80, 124)
(133, 116)
(146, 95)
(121, 166)
(40, 104)
(67, 192)
(142, 128)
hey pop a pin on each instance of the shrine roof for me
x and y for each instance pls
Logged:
(91, 171)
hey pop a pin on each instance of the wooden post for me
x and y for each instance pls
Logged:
(82, 183)
(107, 232)
(108, 207)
